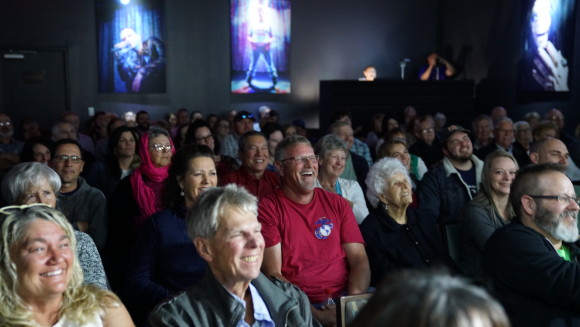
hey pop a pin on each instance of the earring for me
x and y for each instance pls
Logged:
(386, 207)
(182, 193)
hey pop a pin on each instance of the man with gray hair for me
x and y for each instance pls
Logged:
(532, 263)
(312, 237)
(503, 134)
(224, 227)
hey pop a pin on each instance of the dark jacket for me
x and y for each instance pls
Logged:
(536, 286)
(361, 169)
(163, 263)
(209, 304)
(431, 154)
(442, 192)
(391, 246)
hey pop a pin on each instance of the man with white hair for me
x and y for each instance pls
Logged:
(532, 263)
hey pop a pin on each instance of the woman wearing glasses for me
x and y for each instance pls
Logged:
(200, 133)
(164, 260)
(33, 182)
(332, 155)
(136, 198)
(41, 281)
(489, 210)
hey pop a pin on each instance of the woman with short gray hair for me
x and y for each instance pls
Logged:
(332, 155)
(397, 236)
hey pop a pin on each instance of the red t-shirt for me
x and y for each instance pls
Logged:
(258, 187)
(311, 237)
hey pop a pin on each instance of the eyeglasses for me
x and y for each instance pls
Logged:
(246, 116)
(298, 160)
(204, 138)
(161, 147)
(5, 123)
(562, 198)
(64, 158)
(15, 208)
(427, 130)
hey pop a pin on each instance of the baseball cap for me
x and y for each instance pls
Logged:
(450, 130)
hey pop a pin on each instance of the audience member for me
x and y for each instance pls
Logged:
(375, 132)
(136, 198)
(226, 234)
(503, 135)
(430, 299)
(199, 133)
(550, 150)
(446, 188)
(222, 129)
(10, 148)
(408, 114)
(129, 117)
(356, 167)
(164, 261)
(437, 69)
(40, 279)
(171, 120)
(298, 221)
(332, 155)
(544, 130)
(243, 122)
(252, 174)
(63, 130)
(440, 122)
(84, 205)
(102, 145)
(30, 128)
(84, 140)
(289, 130)
(370, 73)
(533, 118)
(489, 210)
(427, 146)
(196, 115)
(98, 128)
(300, 126)
(397, 236)
(121, 160)
(32, 182)
(143, 122)
(556, 116)
(532, 263)
(482, 131)
(497, 113)
(355, 145)
(36, 149)
(274, 134)
(523, 142)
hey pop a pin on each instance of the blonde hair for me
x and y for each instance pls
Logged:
(80, 302)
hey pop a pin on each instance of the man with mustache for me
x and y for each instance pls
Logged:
(532, 263)
(312, 238)
(253, 174)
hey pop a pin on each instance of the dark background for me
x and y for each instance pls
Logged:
(331, 40)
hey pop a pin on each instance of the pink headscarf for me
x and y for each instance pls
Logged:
(144, 195)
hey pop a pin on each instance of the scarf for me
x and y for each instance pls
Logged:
(144, 195)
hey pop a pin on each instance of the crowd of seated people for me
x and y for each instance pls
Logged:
(313, 218)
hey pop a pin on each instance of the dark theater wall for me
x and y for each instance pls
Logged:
(330, 40)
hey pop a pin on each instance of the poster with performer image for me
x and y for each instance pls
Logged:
(546, 59)
(260, 49)
(131, 49)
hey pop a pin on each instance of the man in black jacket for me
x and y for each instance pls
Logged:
(532, 263)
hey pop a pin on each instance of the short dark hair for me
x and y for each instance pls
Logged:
(526, 182)
(62, 142)
(244, 139)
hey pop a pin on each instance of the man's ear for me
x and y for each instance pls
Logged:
(203, 248)
(279, 167)
(534, 157)
(529, 206)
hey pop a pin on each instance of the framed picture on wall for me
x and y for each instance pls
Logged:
(131, 49)
(545, 69)
(260, 46)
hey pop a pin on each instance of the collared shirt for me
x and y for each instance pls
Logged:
(261, 313)
(258, 187)
(362, 149)
(229, 147)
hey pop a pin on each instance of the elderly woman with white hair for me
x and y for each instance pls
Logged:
(396, 235)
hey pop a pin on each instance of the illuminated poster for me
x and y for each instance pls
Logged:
(131, 48)
(546, 61)
(260, 36)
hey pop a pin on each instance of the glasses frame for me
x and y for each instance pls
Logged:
(65, 158)
(302, 159)
(562, 198)
(161, 147)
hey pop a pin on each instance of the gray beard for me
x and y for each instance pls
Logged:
(554, 225)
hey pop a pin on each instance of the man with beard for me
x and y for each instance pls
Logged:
(532, 263)
(9, 147)
(312, 238)
(453, 182)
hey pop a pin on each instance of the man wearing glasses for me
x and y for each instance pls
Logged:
(83, 205)
(428, 146)
(312, 238)
(10, 148)
(533, 262)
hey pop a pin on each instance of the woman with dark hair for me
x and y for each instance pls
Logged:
(120, 162)
(274, 134)
(36, 149)
(200, 133)
(164, 260)
(489, 210)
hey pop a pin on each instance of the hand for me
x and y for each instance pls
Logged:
(557, 64)
(137, 82)
(326, 316)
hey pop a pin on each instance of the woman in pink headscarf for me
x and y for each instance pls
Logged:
(136, 198)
